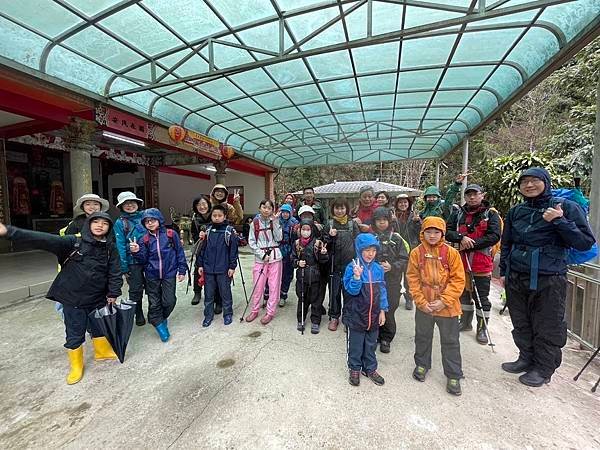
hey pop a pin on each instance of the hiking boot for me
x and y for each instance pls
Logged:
(314, 328)
(518, 366)
(481, 334)
(140, 320)
(384, 347)
(266, 319)
(206, 323)
(465, 321)
(409, 304)
(354, 378)
(197, 298)
(250, 317)
(227, 319)
(374, 377)
(534, 379)
(300, 326)
(453, 386)
(218, 309)
(282, 302)
(420, 373)
(333, 324)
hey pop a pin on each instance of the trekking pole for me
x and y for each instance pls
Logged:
(478, 303)
(576, 377)
(332, 256)
(242, 277)
(262, 270)
(302, 301)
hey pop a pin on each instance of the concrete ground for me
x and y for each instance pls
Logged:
(252, 386)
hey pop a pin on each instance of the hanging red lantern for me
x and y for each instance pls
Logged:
(177, 133)
(227, 152)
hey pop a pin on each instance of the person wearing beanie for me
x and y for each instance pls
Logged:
(435, 206)
(437, 279)
(128, 228)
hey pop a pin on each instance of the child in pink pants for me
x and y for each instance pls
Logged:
(264, 237)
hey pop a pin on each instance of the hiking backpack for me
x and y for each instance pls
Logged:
(170, 236)
(494, 249)
(258, 229)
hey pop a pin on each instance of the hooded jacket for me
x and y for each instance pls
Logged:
(128, 226)
(287, 229)
(310, 253)
(235, 213)
(405, 224)
(342, 245)
(366, 297)
(163, 258)
(433, 281)
(200, 221)
(268, 239)
(219, 251)
(530, 243)
(90, 267)
(393, 248)
(440, 208)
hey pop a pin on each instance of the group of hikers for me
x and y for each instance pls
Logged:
(363, 257)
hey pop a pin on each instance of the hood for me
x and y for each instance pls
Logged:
(432, 190)
(313, 228)
(86, 233)
(542, 174)
(219, 186)
(153, 213)
(287, 208)
(197, 200)
(364, 240)
(382, 212)
(433, 222)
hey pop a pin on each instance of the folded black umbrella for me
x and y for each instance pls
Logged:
(116, 322)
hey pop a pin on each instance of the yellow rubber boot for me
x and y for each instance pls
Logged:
(102, 349)
(76, 360)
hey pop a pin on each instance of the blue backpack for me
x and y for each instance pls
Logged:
(576, 257)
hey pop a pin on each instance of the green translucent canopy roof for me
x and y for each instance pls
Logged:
(303, 82)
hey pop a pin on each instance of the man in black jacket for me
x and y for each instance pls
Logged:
(535, 240)
(89, 278)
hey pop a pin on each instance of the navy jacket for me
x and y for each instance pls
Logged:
(163, 258)
(529, 241)
(365, 297)
(215, 255)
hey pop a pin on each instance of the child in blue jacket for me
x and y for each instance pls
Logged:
(288, 223)
(162, 255)
(364, 309)
(217, 261)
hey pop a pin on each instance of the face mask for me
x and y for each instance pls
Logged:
(305, 233)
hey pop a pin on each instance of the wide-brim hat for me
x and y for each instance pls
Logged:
(128, 196)
(104, 205)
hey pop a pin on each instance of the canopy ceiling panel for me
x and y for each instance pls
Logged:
(303, 82)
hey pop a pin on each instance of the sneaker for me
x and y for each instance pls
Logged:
(453, 386)
(266, 319)
(419, 373)
(374, 377)
(250, 317)
(228, 319)
(281, 302)
(333, 324)
(314, 328)
(300, 327)
(384, 347)
(354, 378)
(206, 323)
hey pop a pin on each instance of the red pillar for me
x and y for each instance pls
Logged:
(270, 185)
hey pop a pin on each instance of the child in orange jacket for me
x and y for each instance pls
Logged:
(436, 278)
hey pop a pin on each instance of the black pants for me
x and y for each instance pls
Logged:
(467, 299)
(324, 270)
(308, 294)
(213, 283)
(136, 282)
(161, 295)
(448, 327)
(76, 323)
(361, 346)
(407, 295)
(388, 330)
(538, 318)
(335, 295)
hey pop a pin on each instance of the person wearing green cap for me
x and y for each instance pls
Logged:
(435, 206)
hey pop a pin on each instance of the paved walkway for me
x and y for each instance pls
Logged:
(254, 387)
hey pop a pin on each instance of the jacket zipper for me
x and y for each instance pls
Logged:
(371, 295)
(159, 255)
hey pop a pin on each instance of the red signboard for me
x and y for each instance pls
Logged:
(121, 121)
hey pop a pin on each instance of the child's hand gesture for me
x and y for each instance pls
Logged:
(357, 269)
(324, 249)
(230, 273)
(381, 318)
(333, 232)
(180, 277)
(3, 230)
(236, 195)
(133, 245)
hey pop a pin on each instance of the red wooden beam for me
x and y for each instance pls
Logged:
(28, 127)
(31, 107)
(183, 172)
(249, 167)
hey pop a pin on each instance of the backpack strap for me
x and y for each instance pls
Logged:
(126, 227)
(76, 248)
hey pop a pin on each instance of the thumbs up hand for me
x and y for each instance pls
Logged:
(553, 213)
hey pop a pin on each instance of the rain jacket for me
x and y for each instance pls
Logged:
(408, 228)
(235, 213)
(90, 268)
(163, 257)
(219, 251)
(268, 239)
(394, 250)
(128, 226)
(366, 297)
(341, 247)
(532, 245)
(440, 208)
(199, 221)
(287, 229)
(311, 254)
(433, 280)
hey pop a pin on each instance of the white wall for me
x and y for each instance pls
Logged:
(179, 191)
